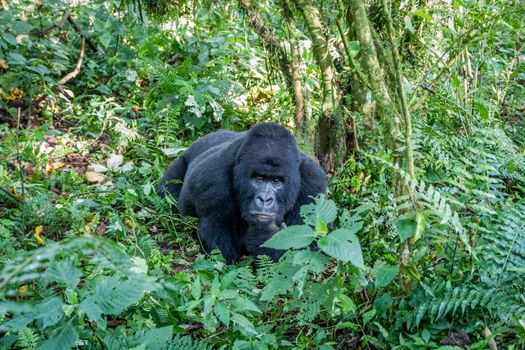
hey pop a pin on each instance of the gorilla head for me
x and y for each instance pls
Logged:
(243, 187)
(266, 175)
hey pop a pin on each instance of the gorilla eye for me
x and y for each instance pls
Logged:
(259, 178)
(276, 180)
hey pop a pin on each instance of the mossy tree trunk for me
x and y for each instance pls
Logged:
(331, 148)
(298, 95)
(386, 108)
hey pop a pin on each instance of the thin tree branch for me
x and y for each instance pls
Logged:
(91, 45)
(66, 16)
(58, 25)
(75, 71)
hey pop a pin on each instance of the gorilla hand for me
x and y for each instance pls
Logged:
(255, 236)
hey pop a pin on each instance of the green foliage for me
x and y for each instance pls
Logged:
(108, 264)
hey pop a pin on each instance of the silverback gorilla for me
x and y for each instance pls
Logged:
(243, 187)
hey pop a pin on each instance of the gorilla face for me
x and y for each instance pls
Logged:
(265, 206)
(267, 179)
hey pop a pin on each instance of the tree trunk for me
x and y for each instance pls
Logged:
(385, 107)
(296, 73)
(331, 150)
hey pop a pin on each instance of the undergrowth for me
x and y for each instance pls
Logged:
(92, 258)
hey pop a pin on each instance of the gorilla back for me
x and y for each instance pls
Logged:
(243, 187)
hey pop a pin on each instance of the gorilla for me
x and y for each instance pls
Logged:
(243, 187)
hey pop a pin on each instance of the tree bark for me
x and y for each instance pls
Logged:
(331, 149)
(385, 107)
(296, 73)
(401, 92)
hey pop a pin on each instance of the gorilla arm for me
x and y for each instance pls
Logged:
(208, 194)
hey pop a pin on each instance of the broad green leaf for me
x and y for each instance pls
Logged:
(323, 209)
(326, 209)
(245, 326)
(316, 261)
(20, 27)
(114, 295)
(139, 265)
(156, 338)
(91, 309)
(131, 75)
(49, 312)
(483, 110)
(406, 227)
(420, 225)
(343, 245)
(63, 272)
(222, 312)
(386, 274)
(71, 296)
(10, 38)
(293, 237)
(40, 69)
(65, 339)
(243, 304)
(215, 286)
(209, 301)
(426, 335)
(354, 47)
(346, 303)
(15, 58)
(105, 39)
(196, 289)
(18, 322)
(368, 316)
(229, 294)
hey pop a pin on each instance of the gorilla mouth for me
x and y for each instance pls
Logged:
(262, 216)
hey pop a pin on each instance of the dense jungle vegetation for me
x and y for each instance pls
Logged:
(415, 109)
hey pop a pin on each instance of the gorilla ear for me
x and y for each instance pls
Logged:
(313, 179)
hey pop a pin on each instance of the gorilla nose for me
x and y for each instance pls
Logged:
(264, 201)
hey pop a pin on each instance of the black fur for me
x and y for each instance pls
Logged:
(211, 180)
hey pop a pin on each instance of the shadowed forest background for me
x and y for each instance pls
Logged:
(415, 109)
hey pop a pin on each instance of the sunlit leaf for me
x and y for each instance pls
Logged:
(293, 237)
(385, 274)
(343, 245)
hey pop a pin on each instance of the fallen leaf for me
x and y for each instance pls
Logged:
(23, 289)
(127, 166)
(52, 166)
(3, 64)
(114, 161)
(94, 177)
(51, 140)
(99, 168)
(38, 231)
